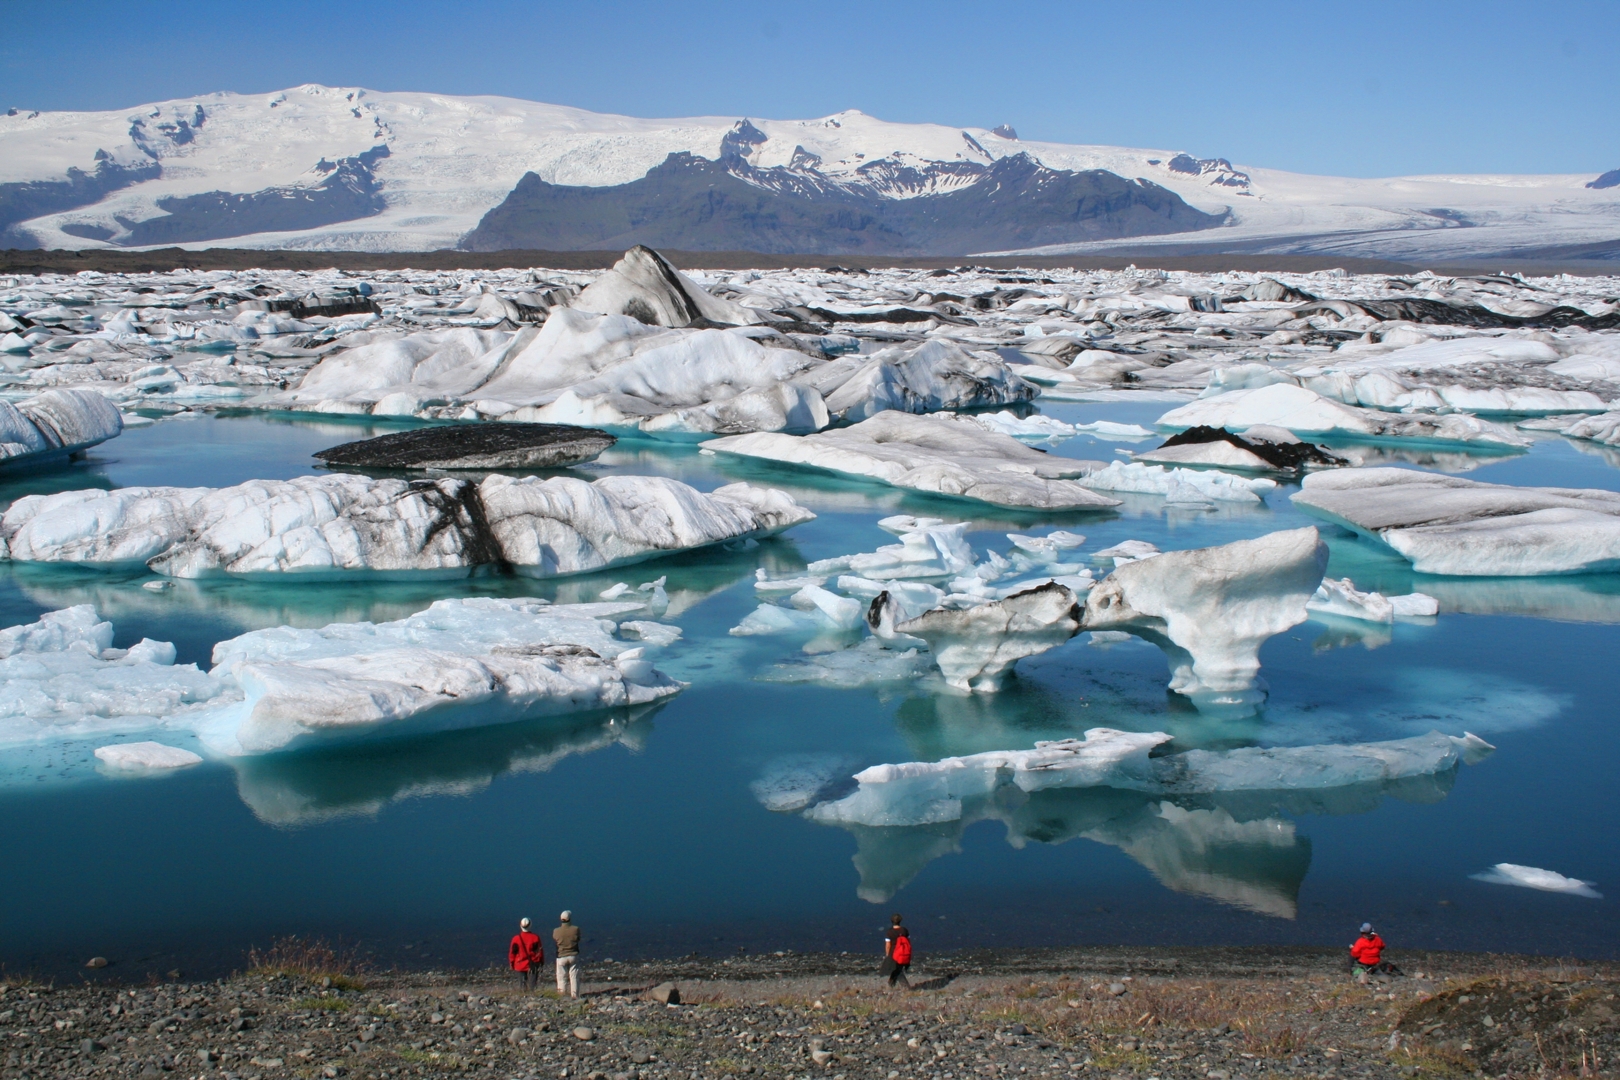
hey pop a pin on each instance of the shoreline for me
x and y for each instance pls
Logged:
(1208, 1013)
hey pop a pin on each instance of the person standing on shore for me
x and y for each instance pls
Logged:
(567, 938)
(526, 954)
(897, 953)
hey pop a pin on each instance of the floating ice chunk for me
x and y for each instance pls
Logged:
(771, 619)
(1211, 609)
(765, 583)
(945, 455)
(1531, 877)
(935, 551)
(1114, 432)
(1603, 428)
(61, 677)
(840, 612)
(935, 375)
(903, 601)
(1173, 483)
(1448, 525)
(976, 647)
(1046, 547)
(792, 783)
(653, 633)
(55, 424)
(461, 663)
(1103, 639)
(1127, 551)
(613, 592)
(1414, 606)
(1304, 411)
(899, 524)
(139, 757)
(1341, 598)
(1035, 428)
(341, 523)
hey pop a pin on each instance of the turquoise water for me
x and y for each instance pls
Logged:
(647, 826)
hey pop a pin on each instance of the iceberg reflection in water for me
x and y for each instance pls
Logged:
(318, 786)
(1203, 822)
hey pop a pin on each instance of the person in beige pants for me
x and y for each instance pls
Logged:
(567, 938)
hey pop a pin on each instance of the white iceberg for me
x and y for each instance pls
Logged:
(344, 523)
(1036, 428)
(1306, 412)
(461, 663)
(937, 454)
(146, 757)
(1465, 528)
(1341, 599)
(1179, 485)
(644, 286)
(935, 549)
(60, 677)
(1531, 877)
(975, 648)
(55, 424)
(1210, 610)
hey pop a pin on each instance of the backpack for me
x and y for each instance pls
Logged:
(901, 953)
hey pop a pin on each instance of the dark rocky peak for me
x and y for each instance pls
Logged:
(742, 140)
(1006, 132)
(804, 160)
(1218, 170)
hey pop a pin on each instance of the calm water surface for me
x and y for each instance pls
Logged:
(647, 826)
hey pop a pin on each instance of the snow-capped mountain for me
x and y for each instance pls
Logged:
(327, 168)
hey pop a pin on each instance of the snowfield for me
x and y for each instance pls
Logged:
(451, 159)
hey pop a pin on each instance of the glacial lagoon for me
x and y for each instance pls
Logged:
(652, 823)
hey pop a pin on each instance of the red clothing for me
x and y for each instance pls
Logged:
(1367, 950)
(525, 950)
(900, 953)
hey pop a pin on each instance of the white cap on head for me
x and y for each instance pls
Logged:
(524, 923)
(567, 915)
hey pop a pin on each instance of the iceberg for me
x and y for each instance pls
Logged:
(936, 454)
(1341, 599)
(1202, 822)
(447, 447)
(928, 550)
(1036, 429)
(1465, 528)
(61, 678)
(54, 425)
(145, 757)
(1261, 448)
(1306, 412)
(1210, 610)
(1179, 485)
(976, 648)
(344, 523)
(1531, 877)
(644, 286)
(461, 663)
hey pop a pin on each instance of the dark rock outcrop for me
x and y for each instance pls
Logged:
(490, 445)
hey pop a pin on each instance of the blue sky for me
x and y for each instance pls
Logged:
(1355, 89)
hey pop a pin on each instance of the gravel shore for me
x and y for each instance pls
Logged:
(1212, 1014)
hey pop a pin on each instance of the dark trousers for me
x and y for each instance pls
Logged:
(898, 975)
(529, 978)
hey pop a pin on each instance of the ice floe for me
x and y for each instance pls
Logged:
(941, 455)
(1449, 525)
(975, 648)
(1531, 877)
(344, 523)
(1210, 610)
(1179, 485)
(55, 424)
(1306, 412)
(1341, 599)
(146, 757)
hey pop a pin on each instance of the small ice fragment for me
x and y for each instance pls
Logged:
(1531, 877)
(904, 523)
(1414, 605)
(614, 592)
(770, 619)
(157, 586)
(653, 633)
(1106, 638)
(1127, 551)
(1108, 429)
(840, 611)
(1341, 598)
(145, 757)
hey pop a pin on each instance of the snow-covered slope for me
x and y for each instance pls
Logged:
(449, 160)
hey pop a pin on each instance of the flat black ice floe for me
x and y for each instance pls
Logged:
(473, 446)
(1288, 457)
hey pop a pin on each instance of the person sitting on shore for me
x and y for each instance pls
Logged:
(897, 953)
(526, 954)
(1367, 954)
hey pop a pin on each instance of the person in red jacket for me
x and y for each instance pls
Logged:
(897, 953)
(1367, 953)
(526, 955)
